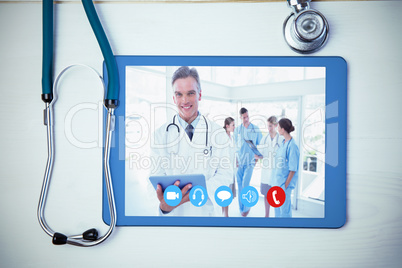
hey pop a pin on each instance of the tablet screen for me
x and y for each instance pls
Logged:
(282, 106)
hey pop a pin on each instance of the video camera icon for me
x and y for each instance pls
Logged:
(172, 195)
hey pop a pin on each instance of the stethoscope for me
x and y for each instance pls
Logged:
(247, 131)
(89, 237)
(252, 130)
(276, 139)
(176, 151)
(308, 31)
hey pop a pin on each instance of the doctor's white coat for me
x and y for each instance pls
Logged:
(268, 150)
(177, 155)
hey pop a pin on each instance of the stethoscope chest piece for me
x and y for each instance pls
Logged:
(305, 30)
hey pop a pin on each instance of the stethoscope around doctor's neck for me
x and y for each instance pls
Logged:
(252, 130)
(206, 150)
(275, 140)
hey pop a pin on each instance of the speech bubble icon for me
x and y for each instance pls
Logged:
(224, 195)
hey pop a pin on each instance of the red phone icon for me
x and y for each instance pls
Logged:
(276, 196)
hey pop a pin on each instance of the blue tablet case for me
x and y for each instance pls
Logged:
(335, 138)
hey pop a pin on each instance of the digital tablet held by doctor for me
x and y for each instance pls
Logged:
(171, 197)
(190, 143)
(165, 181)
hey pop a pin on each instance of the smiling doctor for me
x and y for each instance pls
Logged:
(191, 144)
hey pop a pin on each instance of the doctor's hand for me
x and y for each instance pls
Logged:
(256, 157)
(185, 197)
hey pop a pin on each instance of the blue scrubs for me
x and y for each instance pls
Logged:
(287, 159)
(245, 157)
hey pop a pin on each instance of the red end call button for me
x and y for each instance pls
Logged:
(276, 196)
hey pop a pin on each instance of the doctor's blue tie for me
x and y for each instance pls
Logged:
(190, 131)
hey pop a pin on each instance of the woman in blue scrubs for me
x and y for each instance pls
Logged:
(285, 174)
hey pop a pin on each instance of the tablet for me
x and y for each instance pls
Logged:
(253, 148)
(309, 91)
(165, 181)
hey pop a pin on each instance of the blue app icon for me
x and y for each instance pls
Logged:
(172, 195)
(198, 196)
(249, 196)
(223, 196)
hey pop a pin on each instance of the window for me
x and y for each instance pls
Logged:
(313, 148)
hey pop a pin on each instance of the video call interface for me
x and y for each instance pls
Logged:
(249, 141)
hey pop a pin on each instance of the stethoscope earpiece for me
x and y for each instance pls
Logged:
(61, 239)
(305, 30)
(90, 235)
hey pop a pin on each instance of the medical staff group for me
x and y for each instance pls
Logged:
(191, 135)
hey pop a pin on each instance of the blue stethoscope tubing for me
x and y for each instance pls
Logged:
(47, 53)
(89, 237)
(112, 95)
